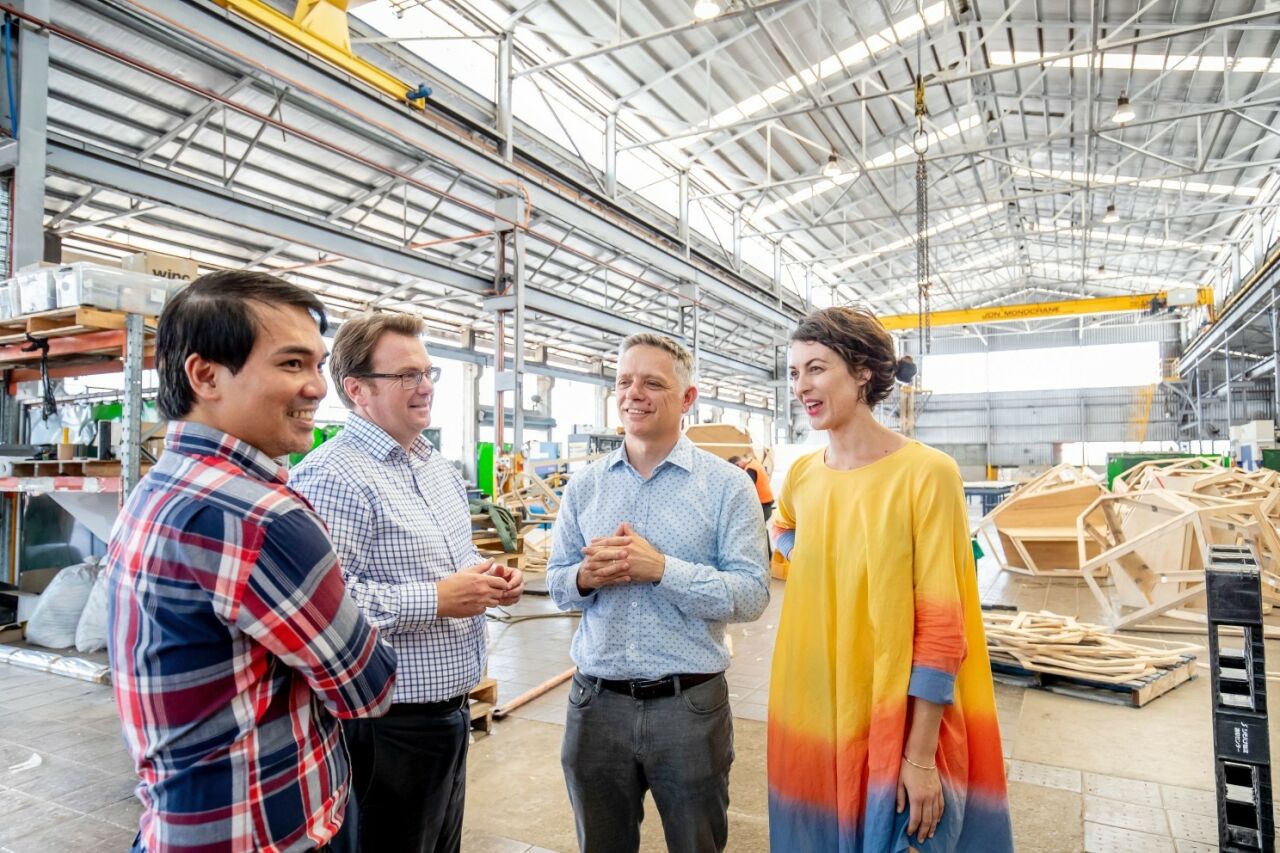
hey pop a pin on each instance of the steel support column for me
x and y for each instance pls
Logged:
(505, 125)
(131, 431)
(684, 211)
(29, 174)
(737, 239)
(611, 155)
(1275, 363)
(689, 321)
(1226, 355)
(470, 405)
(517, 372)
(781, 398)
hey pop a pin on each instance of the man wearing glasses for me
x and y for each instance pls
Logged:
(397, 513)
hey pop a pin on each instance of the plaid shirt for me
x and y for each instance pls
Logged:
(233, 648)
(400, 524)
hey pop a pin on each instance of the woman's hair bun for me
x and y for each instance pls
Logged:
(906, 370)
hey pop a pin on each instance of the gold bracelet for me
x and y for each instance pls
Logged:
(918, 766)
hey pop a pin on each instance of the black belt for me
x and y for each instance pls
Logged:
(427, 709)
(655, 688)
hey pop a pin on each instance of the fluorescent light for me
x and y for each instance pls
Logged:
(704, 9)
(832, 168)
(1124, 112)
(1173, 184)
(838, 63)
(1121, 61)
(1111, 217)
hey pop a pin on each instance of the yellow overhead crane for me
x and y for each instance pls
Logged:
(320, 27)
(1047, 310)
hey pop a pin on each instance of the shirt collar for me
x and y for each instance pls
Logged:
(681, 456)
(375, 439)
(195, 439)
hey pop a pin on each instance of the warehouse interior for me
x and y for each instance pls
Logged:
(1066, 213)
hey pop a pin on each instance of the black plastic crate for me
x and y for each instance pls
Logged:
(1237, 671)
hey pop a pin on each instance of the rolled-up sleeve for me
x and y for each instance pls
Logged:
(942, 552)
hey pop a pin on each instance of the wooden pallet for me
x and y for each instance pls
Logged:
(70, 468)
(61, 322)
(502, 558)
(483, 699)
(1135, 694)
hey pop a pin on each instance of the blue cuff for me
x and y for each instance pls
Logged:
(785, 542)
(932, 685)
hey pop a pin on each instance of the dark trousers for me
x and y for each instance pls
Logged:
(409, 776)
(679, 748)
(768, 508)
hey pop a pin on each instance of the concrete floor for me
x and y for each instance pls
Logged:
(1083, 775)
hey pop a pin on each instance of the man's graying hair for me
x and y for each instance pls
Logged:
(680, 357)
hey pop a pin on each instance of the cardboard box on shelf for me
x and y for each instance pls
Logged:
(162, 266)
(10, 633)
(72, 257)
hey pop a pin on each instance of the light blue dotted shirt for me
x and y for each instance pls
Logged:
(704, 515)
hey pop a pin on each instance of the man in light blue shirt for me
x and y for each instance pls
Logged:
(659, 544)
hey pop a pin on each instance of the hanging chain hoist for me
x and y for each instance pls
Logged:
(920, 143)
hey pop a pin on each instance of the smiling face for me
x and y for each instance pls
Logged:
(403, 413)
(271, 401)
(823, 383)
(651, 401)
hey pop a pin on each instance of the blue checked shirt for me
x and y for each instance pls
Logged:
(704, 515)
(400, 524)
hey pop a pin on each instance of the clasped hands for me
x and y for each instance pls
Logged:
(471, 591)
(624, 557)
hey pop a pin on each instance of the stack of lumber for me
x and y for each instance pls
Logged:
(1060, 654)
(1036, 524)
(1049, 642)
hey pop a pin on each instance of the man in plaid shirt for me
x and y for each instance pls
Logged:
(234, 647)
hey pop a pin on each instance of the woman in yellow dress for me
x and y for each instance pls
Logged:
(882, 718)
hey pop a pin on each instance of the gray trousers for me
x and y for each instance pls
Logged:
(678, 747)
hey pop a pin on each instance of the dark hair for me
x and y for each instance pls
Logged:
(862, 343)
(212, 317)
(735, 459)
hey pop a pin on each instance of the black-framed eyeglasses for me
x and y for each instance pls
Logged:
(409, 380)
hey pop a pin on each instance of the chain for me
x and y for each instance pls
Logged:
(921, 144)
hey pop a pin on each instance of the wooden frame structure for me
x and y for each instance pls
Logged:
(1154, 544)
(1036, 525)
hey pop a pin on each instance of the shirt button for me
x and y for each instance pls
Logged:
(635, 604)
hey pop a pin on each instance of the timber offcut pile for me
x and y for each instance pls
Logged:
(1060, 654)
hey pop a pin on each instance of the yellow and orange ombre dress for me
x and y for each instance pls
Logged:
(881, 606)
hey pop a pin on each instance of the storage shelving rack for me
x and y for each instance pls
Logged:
(82, 341)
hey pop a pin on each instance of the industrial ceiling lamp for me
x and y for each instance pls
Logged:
(704, 9)
(832, 168)
(1111, 217)
(1124, 112)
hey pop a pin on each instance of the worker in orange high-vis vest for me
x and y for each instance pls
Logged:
(758, 476)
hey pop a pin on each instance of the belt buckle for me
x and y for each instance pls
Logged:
(647, 689)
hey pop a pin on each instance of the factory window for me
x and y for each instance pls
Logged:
(1047, 369)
